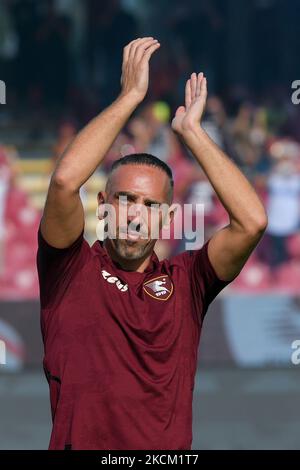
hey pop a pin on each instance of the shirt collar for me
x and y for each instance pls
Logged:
(152, 265)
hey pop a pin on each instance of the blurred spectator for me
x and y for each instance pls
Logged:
(283, 201)
(288, 274)
(19, 223)
(4, 185)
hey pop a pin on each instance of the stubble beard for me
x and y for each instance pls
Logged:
(131, 250)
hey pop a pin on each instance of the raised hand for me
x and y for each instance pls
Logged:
(188, 117)
(135, 68)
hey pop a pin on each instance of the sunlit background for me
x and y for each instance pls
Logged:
(60, 61)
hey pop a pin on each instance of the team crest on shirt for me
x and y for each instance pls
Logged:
(160, 288)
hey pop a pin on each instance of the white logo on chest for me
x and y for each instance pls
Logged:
(114, 280)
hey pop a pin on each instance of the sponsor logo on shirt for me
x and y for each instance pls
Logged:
(160, 288)
(114, 280)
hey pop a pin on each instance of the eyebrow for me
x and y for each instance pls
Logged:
(134, 197)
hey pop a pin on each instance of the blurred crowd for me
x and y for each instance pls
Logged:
(260, 131)
(19, 221)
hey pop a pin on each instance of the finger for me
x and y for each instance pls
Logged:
(203, 89)
(193, 85)
(135, 44)
(127, 49)
(199, 80)
(180, 110)
(188, 96)
(142, 47)
(148, 53)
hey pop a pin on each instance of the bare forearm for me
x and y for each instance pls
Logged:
(87, 150)
(231, 246)
(63, 217)
(232, 187)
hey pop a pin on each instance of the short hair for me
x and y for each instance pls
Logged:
(144, 159)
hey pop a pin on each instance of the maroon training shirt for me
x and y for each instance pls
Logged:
(121, 347)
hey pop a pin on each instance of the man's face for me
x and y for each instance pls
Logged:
(131, 191)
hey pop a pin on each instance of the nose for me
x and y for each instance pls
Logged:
(134, 216)
(135, 222)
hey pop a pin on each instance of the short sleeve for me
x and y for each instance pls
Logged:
(205, 284)
(57, 267)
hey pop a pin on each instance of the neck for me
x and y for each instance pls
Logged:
(137, 265)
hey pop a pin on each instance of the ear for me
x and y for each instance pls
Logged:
(169, 216)
(101, 198)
